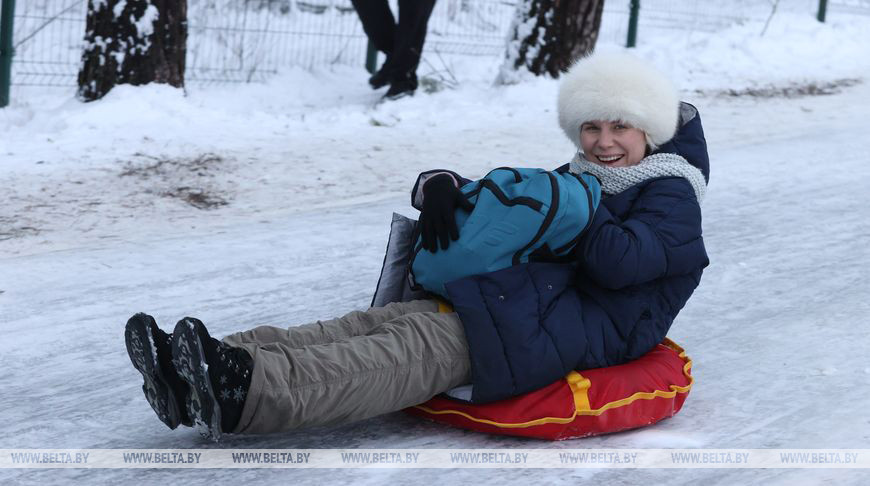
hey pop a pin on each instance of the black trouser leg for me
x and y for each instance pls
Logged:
(410, 34)
(378, 23)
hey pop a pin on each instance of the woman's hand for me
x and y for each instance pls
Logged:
(441, 198)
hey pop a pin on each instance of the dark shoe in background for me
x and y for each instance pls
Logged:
(150, 352)
(382, 76)
(402, 86)
(218, 376)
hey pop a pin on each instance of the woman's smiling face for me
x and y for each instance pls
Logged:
(612, 144)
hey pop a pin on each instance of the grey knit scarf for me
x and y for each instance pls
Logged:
(617, 179)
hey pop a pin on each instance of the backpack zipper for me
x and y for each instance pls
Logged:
(502, 198)
(517, 177)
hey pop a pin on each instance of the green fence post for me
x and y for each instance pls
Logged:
(823, 7)
(371, 58)
(632, 23)
(7, 12)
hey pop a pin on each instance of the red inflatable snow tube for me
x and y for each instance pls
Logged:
(597, 401)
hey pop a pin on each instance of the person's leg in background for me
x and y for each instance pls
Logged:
(408, 46)
(380, 27)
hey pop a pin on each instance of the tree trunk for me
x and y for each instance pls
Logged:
(132, 42)
(546, 36)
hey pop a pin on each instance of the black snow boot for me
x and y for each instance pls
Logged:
(382, 76)
(150, 352)
(403, 85)
(218, 376)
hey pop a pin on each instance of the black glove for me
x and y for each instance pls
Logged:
(441, 197)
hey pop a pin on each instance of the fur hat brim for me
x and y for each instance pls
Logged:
(616, 86)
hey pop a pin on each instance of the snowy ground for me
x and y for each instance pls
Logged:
(270, 205)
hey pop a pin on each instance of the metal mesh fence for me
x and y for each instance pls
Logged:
(249, 40)
(860, 7)
(705, 15)
(665, 14)
(233, 41)
(47, 42)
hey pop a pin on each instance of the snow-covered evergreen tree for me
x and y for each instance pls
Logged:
(547, 35)
(132, 42)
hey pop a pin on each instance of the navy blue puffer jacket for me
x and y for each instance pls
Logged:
(635, 268)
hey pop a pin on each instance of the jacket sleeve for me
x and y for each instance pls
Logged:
(660, 237)
(417, 191)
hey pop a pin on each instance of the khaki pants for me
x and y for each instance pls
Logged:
(358, 366)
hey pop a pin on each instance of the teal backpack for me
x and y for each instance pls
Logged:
(519, 215)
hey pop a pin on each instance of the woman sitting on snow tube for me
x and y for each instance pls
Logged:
(514, 330)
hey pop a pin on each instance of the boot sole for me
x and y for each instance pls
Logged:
(138, 339)
(399, 96)
(189, 360)
(379, 83)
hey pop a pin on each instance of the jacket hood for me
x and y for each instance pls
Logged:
(689, 140)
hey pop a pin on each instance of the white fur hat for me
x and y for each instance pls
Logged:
(616, 86)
